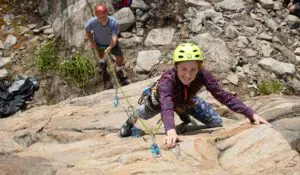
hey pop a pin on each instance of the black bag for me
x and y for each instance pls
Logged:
(14, 97)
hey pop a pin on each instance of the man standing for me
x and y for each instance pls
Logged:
(294, 7)
(102, 32)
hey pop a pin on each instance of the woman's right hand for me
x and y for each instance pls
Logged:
(171, 138)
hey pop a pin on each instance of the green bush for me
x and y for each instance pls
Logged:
(268, 87)
(78, 69)
(47, 59)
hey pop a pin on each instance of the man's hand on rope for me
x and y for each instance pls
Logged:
(107, 50)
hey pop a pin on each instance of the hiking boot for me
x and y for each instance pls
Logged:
(125, 130)
(122, 77)
(103, 66)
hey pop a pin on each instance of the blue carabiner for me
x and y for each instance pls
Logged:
(155, 150)
(116, 101)
(147, 91)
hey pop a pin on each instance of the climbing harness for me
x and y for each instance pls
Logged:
(150, 92)
(146, 92)
(132, 114)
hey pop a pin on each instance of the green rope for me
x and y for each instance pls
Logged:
(130, 106)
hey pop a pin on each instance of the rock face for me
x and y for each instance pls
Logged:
(70, 23)
(215, 50)
(231, 4)
(81, 135)
(146, 60)
(126, 18)
(277, 66)
(261, 33)
(163, 36)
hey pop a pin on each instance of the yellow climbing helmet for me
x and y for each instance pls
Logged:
(187, 52)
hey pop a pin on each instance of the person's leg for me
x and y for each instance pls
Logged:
(183, 114)
(102, 62)
(145, 111)
(203, 112)
(120, 63)
(100, 51)
(103, 67)
(184, 117)
(297, 9)
(294, 8)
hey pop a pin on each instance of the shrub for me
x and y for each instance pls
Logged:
(46, 59)
(268, 87)
(78, 69)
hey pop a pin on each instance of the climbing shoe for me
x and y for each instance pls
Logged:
(125, 130)
(182, 128)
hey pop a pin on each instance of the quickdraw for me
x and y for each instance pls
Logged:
(155, 148)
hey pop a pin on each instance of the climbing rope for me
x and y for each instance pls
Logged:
(132, 114)
(130, 110)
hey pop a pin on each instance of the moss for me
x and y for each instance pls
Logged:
(268, 87)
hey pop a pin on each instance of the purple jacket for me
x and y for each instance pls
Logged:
(173, 93)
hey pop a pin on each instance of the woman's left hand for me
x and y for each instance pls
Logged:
(259, 120)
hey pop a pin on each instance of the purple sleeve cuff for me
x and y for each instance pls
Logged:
(249, 114)
(168, 119)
